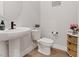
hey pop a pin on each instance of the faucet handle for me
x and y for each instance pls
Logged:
(14, 24)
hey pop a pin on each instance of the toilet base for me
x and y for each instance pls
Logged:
(44, 50)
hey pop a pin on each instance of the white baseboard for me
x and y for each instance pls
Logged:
(61, 47)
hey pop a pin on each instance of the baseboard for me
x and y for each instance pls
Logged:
(61, 47)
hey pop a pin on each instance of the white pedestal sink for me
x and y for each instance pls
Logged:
(14, 36)
(13, 33)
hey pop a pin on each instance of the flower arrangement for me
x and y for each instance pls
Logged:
(74, 27)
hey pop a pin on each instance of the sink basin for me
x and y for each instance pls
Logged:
(9, 34)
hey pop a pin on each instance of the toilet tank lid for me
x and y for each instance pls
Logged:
(46, 40)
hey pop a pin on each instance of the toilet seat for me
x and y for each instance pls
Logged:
(46, 40)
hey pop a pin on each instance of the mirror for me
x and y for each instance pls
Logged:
(12, 9)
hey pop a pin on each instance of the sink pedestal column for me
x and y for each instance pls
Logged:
(14, 48)
(3, 49)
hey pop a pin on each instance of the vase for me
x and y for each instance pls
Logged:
(75, 32)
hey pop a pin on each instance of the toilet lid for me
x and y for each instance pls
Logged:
(46, 40)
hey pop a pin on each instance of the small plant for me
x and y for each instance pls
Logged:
(74, 27)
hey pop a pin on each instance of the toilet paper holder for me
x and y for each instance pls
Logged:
(54, 32)
(55, 35)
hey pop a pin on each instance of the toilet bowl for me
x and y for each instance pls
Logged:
(44, 44)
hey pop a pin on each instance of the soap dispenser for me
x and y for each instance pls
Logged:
(2, 25)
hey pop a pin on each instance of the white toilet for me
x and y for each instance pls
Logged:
(44, 44)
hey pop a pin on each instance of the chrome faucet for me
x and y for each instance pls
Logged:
(12, 25)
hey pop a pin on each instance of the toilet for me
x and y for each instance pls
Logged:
(44, 44)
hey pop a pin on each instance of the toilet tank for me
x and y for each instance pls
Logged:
(36, 34)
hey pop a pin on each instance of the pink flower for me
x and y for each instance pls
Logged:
(73, 26)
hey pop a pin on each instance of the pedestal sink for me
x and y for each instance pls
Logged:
(12, 35)
(9, 34)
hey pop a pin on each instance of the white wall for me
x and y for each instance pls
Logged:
(1, 8)
(57, 19)
(29, 15)
(78, 33)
